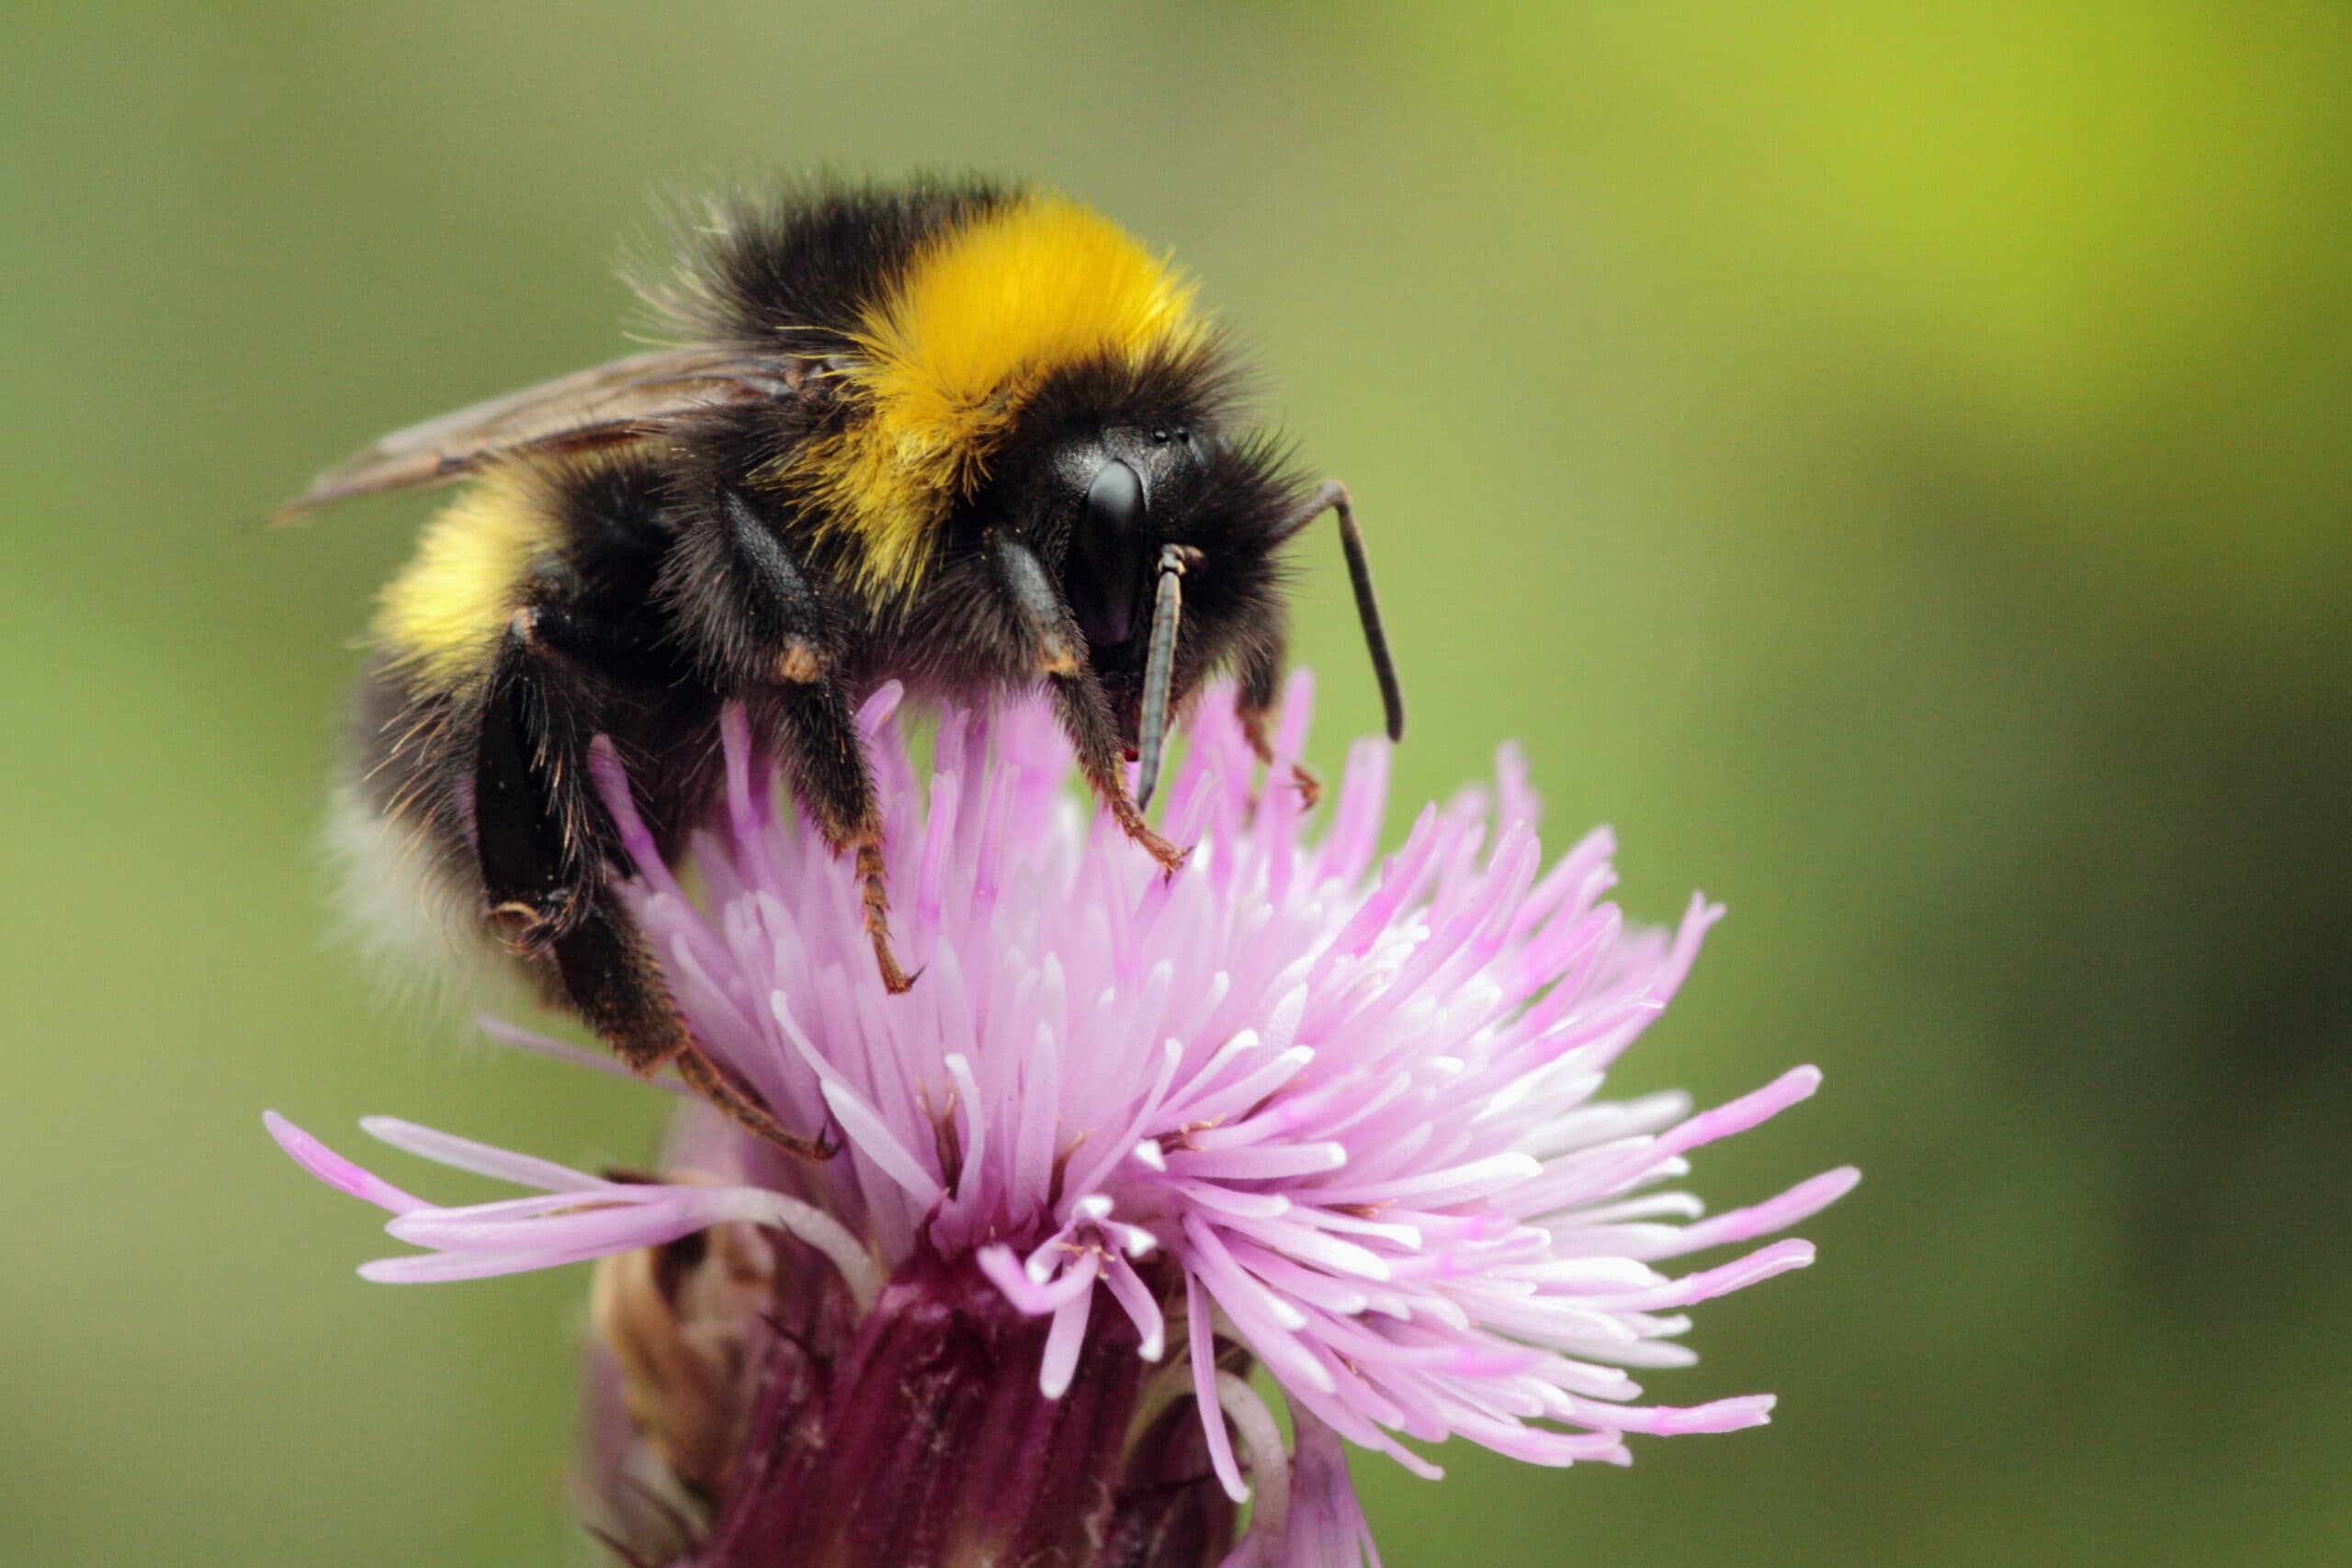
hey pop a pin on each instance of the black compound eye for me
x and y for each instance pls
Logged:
(1114, 500)
(1105, 571)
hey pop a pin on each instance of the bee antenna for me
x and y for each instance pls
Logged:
(1332, 496)
(1160, 670)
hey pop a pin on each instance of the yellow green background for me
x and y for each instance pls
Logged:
(1895, 463)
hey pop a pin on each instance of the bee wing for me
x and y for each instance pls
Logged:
(627, 399)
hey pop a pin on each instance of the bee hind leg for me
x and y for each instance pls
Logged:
(544, 842)
(613, 980)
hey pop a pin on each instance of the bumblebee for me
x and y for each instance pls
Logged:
(966, 436)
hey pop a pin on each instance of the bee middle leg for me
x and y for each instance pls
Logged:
(762, 631)
(826, 759)
(545, 845)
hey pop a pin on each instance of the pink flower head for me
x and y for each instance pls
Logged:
(1338, 1112)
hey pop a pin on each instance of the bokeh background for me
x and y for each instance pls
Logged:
(1892, 462)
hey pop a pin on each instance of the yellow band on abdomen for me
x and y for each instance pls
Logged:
(440, 620)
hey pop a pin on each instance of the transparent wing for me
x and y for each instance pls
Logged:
(627, 399)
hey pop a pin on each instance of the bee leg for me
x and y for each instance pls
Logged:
(535, 828)
(614, 981)
(831, 779)
(543, 841)
(752, 619)
(740, 1102)
(762, 632)
(1254, 705)
(1094, 735)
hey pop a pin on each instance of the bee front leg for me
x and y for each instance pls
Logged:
(543, 844)
(1101, 756)
(825, 756)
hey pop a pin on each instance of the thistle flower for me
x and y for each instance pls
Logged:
(1295, 1108)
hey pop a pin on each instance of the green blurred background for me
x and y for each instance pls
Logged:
(1892, 463)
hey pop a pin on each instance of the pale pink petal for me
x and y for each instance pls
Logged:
(336, 1171)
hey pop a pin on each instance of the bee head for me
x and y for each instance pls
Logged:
(1124, 474)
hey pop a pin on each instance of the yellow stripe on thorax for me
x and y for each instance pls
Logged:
(441, 618)
(983, 313)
